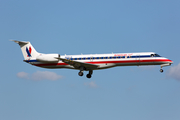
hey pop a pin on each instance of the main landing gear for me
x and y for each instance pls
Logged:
(80, 73)
(88, 75)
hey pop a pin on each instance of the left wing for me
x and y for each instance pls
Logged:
(78, 64)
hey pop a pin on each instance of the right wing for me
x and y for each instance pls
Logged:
(78, 64)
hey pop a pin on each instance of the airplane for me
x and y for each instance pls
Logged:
(90, 62)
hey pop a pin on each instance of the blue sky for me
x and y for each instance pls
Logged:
(75, 27)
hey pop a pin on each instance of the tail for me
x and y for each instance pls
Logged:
(27, 49)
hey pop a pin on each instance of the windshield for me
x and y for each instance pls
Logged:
(156, 55)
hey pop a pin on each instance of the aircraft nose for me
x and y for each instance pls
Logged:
(170, 61)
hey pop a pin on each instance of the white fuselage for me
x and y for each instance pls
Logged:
(89, 62)
(107, 60)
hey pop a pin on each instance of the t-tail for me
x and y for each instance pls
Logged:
(30, 53)
(27, 49)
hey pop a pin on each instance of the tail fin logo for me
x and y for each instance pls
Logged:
(28, 51)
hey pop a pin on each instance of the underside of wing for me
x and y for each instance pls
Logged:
(78, 64)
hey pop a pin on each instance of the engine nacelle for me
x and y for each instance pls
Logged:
(48, 58)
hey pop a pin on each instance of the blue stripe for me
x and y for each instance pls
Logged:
(32, 61)
(111, 57)
(29, 55)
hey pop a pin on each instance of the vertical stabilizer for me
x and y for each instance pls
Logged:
(27, 49)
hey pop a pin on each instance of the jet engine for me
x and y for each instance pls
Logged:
(48, 58)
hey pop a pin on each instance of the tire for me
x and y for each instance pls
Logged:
(80, 73)
(88, 75)
(161, 70)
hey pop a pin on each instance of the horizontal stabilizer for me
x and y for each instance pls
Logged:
(20, 42)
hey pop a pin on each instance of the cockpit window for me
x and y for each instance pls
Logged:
(152, 55)
(157, 55)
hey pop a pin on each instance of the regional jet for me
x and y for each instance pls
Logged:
(90, 62)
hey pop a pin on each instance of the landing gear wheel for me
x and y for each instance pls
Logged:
(88, 75)
(161, 70)
(80, 73)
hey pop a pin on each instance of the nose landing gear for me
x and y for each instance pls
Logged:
(161, 70)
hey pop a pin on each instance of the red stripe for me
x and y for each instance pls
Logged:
(131, 61)
(51, 64)
(103, 62)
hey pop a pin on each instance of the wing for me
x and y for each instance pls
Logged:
(78, 64)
